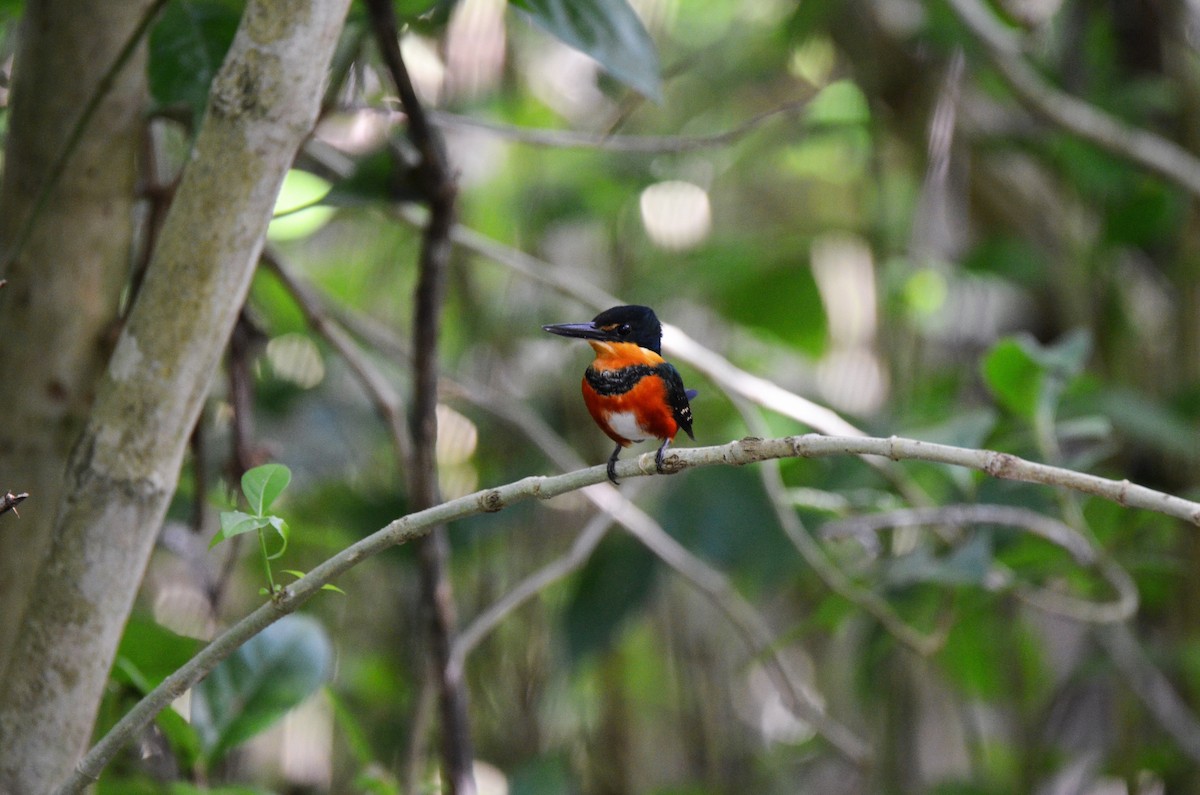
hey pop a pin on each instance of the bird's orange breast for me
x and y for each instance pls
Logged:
(638, 413)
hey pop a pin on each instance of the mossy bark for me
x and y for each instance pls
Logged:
(59, 306)
(124, 469)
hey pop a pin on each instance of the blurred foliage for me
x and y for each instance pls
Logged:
(1004, 285)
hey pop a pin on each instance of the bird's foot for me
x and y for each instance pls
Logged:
(612, 466)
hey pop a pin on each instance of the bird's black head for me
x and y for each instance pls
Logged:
(636, 324)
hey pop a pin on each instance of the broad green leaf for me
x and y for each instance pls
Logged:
(234, 523)
(254, 687)
(607, 30)
(152, 651)
(1014, 377)
(148, 653)
(1024, 374)
(187, 46)
(263, 484)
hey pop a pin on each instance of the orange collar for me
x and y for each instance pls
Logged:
(614, 355)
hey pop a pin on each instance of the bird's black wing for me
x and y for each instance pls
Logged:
(677, 396)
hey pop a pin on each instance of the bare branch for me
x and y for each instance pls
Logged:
(737, 453)
(585, 543)
(644, 144)
(616, 506)
(10, 501)
(437, 184)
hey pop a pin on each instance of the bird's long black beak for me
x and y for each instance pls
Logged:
(583, 331)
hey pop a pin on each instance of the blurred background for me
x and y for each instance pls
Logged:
(835, 201)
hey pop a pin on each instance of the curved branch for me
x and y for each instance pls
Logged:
(737, 453)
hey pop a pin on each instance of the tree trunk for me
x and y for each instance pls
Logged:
(122, 472)
(64, 284)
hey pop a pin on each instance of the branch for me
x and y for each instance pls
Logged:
(10, 501)
(1081, 548)
(737, 453)
(383, 396)
(926, 645)
(1148, 150)
(1154, 689)
(644, 144)
(438, 186)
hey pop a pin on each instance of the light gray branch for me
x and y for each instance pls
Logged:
(737, 453)
(644, 144)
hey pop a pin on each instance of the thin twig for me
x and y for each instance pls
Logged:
(386, 400)
(737, 453)
(1054, 531)
(10, 501)
(437, 184)
(645, 144)
(483, 624)
(1146, 149)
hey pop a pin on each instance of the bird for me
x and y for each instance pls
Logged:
(631, 392)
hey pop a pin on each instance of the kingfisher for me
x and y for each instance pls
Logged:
(630, 391)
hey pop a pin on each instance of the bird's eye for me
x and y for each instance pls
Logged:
(624, 329)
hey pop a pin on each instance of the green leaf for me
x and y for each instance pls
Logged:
(254, 687)
(151, 652)
(234, 523)
(263, 484)
(187, 46)
(607, 30)
(281, 527)
(1023, 374)
(148, 653)
(1013, 376)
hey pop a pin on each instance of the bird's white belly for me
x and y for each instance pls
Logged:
(624, 423)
